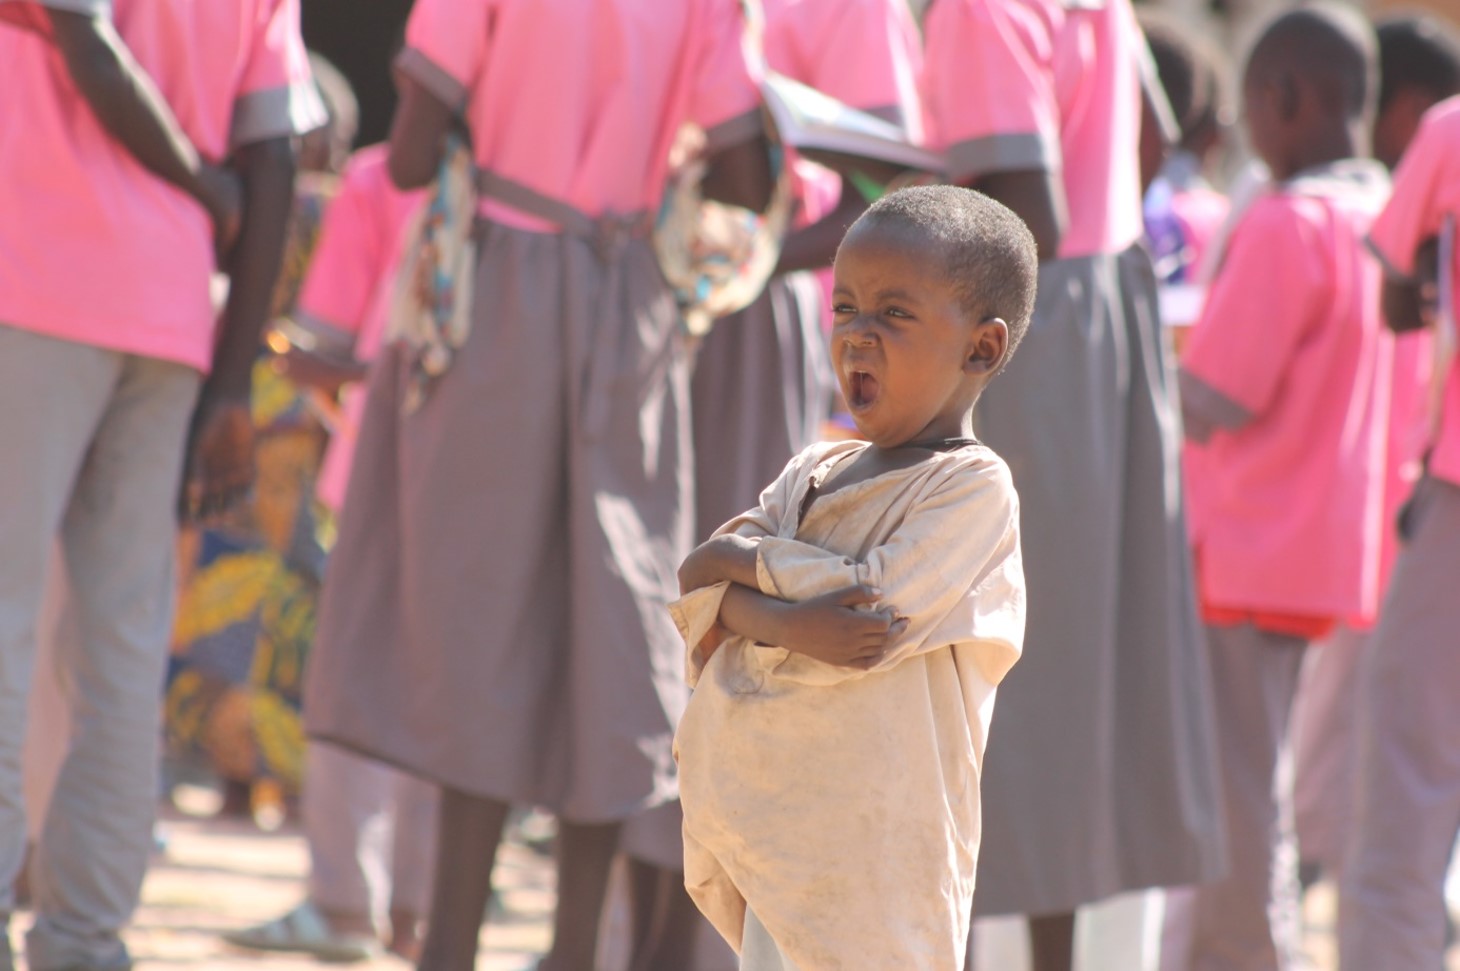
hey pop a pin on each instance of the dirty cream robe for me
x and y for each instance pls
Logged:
(842, 806)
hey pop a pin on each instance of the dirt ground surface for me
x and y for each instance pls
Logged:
(215, 876)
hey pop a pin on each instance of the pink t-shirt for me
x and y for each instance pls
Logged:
(581, 100)
(1426, 190)
(345, 302)
(1015, 85)
(1292, 363)
(93, 247)
(865, 53)
(1201, 211)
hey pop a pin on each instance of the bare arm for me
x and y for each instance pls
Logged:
(828, 628)
(1403, 306)
(1160, 131)
(720, 559)
(740, 175)
(1411, 304)
(814, 247)
(220, 453)
(1037, 197)
(133, 111)
(417, 135)
(1156, 137)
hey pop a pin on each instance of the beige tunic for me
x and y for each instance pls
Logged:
(842, 806)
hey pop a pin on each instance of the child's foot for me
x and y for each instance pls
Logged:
(307, 930)
(405, 936)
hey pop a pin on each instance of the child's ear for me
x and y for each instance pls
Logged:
(989, 346)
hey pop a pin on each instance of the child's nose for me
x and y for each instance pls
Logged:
(859, 334)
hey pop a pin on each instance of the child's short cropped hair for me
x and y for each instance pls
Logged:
(1329, 44)
(990, 253)
(1417, 51)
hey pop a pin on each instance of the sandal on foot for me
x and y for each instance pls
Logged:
(304, 929)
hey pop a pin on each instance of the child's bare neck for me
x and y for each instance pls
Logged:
(874, 460)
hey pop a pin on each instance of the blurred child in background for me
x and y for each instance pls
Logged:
(1286, 379)
(1419, 65)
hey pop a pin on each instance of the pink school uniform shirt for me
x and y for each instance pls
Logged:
(1037, 84)
(1292, 364)
(345, 301)
(865, 53)
(581, 100)
(94, 249)
(1426, 190)
(1201, 211)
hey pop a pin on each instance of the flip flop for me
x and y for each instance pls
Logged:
(305, 930)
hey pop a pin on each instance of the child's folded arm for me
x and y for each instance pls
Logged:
(726, 557)
(962, 537)
(729, 554)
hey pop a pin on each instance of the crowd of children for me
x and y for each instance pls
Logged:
(1162, 600)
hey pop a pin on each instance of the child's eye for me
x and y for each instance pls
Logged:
(897, 312)
(843, 308)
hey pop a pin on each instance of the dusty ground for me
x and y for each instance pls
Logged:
(216, 876)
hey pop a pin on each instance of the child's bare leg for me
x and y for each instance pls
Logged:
(665, 919)
(643, 910)
(1052, 942)
(466, 850)
(585, 854)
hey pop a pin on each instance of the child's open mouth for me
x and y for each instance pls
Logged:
(862, 390)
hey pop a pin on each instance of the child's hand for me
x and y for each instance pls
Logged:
(317, 371)
(220, 458)
(220, 191)
(831, 629)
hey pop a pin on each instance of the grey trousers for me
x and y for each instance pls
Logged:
(1249, 920)
(1407, 798)
(1324, 748)
(371, 831)
(91, 445)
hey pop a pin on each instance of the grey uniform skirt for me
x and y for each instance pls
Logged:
(1100, 774)
(762, 390)
(495, 615)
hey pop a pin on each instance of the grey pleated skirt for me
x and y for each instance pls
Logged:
(495, 615)
(1100, 775)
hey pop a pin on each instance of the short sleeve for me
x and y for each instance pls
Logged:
(1270, 293)
(31, 14)
(990, 87)
(94, 8)
(275, 94)
(865, 53)
(1426, 187)
(725, 84)
(350, 259)
(446, 47)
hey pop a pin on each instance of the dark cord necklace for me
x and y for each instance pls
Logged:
(942, 444)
